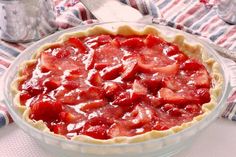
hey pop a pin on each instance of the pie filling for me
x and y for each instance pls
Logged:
(106, 86)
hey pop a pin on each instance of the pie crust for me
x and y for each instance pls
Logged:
(194, 51)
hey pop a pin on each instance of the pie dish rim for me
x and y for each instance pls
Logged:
(119, 140)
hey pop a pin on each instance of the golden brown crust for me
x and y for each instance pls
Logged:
(196, 51)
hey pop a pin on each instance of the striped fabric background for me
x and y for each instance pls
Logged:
(199, 17)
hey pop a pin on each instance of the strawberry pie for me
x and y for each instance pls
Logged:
(122, 86)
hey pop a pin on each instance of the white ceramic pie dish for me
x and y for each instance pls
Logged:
(159, 147)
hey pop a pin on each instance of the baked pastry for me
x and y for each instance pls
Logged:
(122, 86)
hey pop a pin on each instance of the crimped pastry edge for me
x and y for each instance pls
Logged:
(195, 51)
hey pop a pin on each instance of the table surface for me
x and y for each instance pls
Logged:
(217, 140)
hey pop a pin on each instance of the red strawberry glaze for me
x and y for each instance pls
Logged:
(107, 86)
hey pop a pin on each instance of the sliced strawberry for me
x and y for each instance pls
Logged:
(62, 52)
(52, 83)
(45, 109)
(160, 126)
(200, 79)
(97, 131)
(111, 88)
(67, 96)
(175, 112)
(89, 62)
(91, 105)
(132, 43)
(94, 78)
(191, 65)
(75, 74)
(167, 107)
(193, 108)
(152, 82)
(71, 84)
(96, 127)
(180, 58)
(60, 129)
(146, 68)
(77, 43)
(168, 70)
(92, 93)
(118, 40)
(98, 121)
(69, 117)
(172, 83)
(204, 95)
(171, 50)
(112, 112)
(96, 41)
(100, 66)
(171, 97)
(32, 87)
(110, 73)
(72, 77)
(123, 99)
(24, 96)
(155, 57)
(51, 63)
(138, 90)
(141, 115)
(68, 64)
(153, 67)
(47, 62)
(118, 129)
(91, 42)
(103, 39)
(152, 40)
(71, 98)
(108, 54)
(154, 101)
(130, 69)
